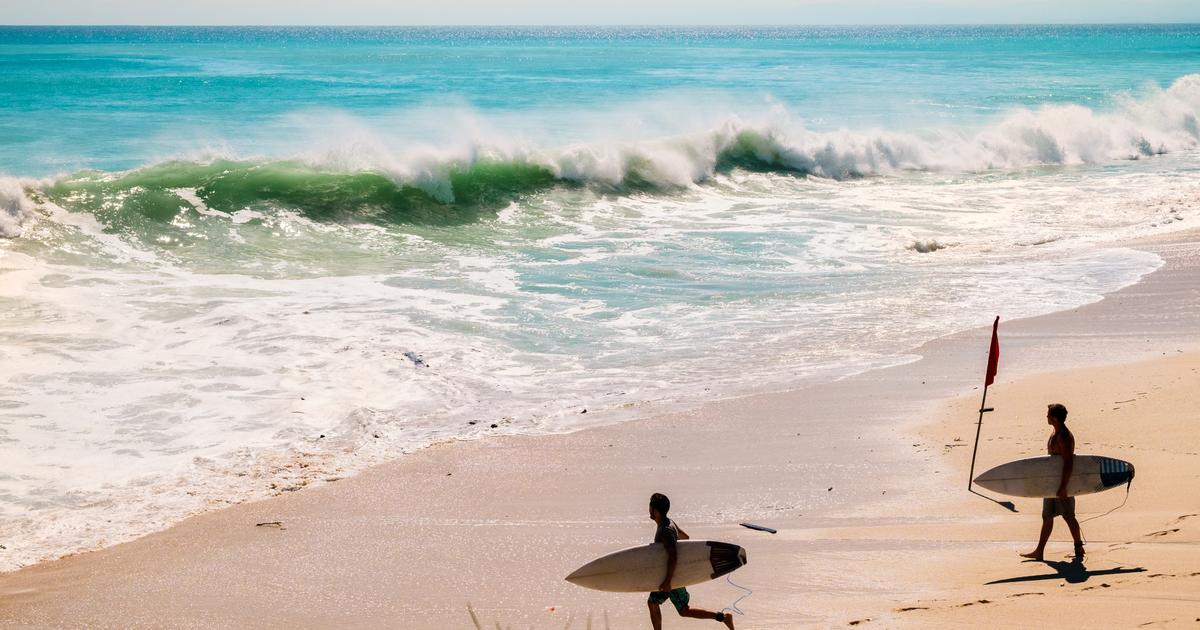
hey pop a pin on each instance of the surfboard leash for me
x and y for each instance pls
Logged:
(1128, 487)
(734, 606)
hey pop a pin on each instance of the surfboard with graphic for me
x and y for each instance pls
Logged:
(1041, 476)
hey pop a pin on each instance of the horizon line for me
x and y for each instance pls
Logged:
(605, 25)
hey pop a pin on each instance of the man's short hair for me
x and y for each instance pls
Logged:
(1057, 411)
(660, 502)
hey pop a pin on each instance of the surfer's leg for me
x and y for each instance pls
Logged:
(1073, 525)
(655, 615)
(1047, 527)
(700, 613)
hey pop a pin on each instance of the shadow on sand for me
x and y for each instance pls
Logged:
(1070, 572)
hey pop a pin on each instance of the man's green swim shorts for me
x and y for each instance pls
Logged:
(678, 596)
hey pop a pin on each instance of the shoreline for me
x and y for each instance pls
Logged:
(433, 495)
(309, 461)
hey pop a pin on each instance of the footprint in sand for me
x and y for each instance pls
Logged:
(908, 608)
(980, 601)
(1024, 594)
(1163, 532)
(858, 621)
(1183, 518)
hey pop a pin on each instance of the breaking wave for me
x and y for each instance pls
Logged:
(450, 187)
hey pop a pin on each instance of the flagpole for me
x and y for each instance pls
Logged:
(993, 357)
(983, 408)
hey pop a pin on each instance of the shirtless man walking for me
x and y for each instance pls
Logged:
(1061, 443)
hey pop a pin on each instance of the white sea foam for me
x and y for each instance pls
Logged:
(15, 207)
(1154, 122)
(148, 390)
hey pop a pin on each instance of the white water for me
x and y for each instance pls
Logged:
(140, 385)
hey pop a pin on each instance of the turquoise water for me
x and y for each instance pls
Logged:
(240, 259)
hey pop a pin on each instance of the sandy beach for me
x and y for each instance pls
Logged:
(864, 478)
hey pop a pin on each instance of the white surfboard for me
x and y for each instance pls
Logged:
(642, 569)
(1041, 476)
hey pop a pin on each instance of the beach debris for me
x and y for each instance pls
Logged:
(470, 422)
(494, 425)
(584, 411)
(830, 489)
(761, 528)
(417, 360)
(927, 246)
(278, 524)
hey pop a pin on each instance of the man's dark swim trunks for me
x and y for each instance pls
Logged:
(1054, 506)
(678, 596)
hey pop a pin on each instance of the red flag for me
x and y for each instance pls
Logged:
(993, 355)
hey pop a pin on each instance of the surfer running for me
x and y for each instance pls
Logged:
(668, 534)
(1061, 443)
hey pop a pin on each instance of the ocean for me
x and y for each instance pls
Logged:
(238, 261)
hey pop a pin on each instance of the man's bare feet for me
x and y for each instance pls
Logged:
(1033, 555)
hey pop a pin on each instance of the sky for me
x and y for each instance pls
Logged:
(540, 12)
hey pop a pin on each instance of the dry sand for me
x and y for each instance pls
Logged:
(1143, 560)
(864, 478)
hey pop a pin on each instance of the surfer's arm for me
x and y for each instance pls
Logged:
(672, 557)
(1068, 464)
(1067, 448)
